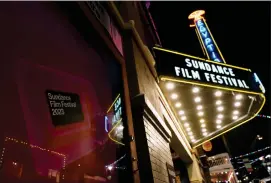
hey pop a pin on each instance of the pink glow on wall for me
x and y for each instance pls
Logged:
(116, 36)
(43, 52)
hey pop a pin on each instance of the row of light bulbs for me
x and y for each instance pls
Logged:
(197, 100)
(174, 96)
(220, 108)
(200, 113)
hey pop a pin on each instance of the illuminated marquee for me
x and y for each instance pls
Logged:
(185, 67)
(208, 41)
(208, 97)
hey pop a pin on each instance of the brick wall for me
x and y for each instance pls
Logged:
(155, 127)
(146, 81)
(159, 152)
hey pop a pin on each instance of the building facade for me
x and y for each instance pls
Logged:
(82, 100)
(159, 138)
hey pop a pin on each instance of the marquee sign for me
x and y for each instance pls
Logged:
(191, 69)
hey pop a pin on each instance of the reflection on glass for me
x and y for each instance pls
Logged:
(73, 153)
(64, 120)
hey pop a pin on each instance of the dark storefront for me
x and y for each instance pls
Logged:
(57, 88)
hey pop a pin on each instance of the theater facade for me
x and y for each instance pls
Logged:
(209, 96)
(90, 95)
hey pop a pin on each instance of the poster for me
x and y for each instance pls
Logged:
(65, 108)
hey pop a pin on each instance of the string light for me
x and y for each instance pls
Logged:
(263, 116)
(250, 163)
(259, 158)
(244, 155)
(33, 146)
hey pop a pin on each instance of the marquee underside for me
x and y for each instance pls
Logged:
(205, 112)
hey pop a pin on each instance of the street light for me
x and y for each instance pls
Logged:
(259, 137)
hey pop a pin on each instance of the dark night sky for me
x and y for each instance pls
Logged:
(242, 32)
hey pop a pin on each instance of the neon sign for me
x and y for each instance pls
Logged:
(117, 111)
(106, 123)
(208, 42)
(113, 121)
(113, 116)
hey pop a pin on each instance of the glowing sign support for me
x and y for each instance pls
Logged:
(207, 41)
(257, 79)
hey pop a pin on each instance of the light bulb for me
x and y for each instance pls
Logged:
(174, 96)
(218, 93)
(235, 112)
(238, 97)
(220, 108)
(181, 112)
(170, 86)
(237, 104)
(195, 90)
(197, 99)
(178, 104)
(183, 118)
(200, 113)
